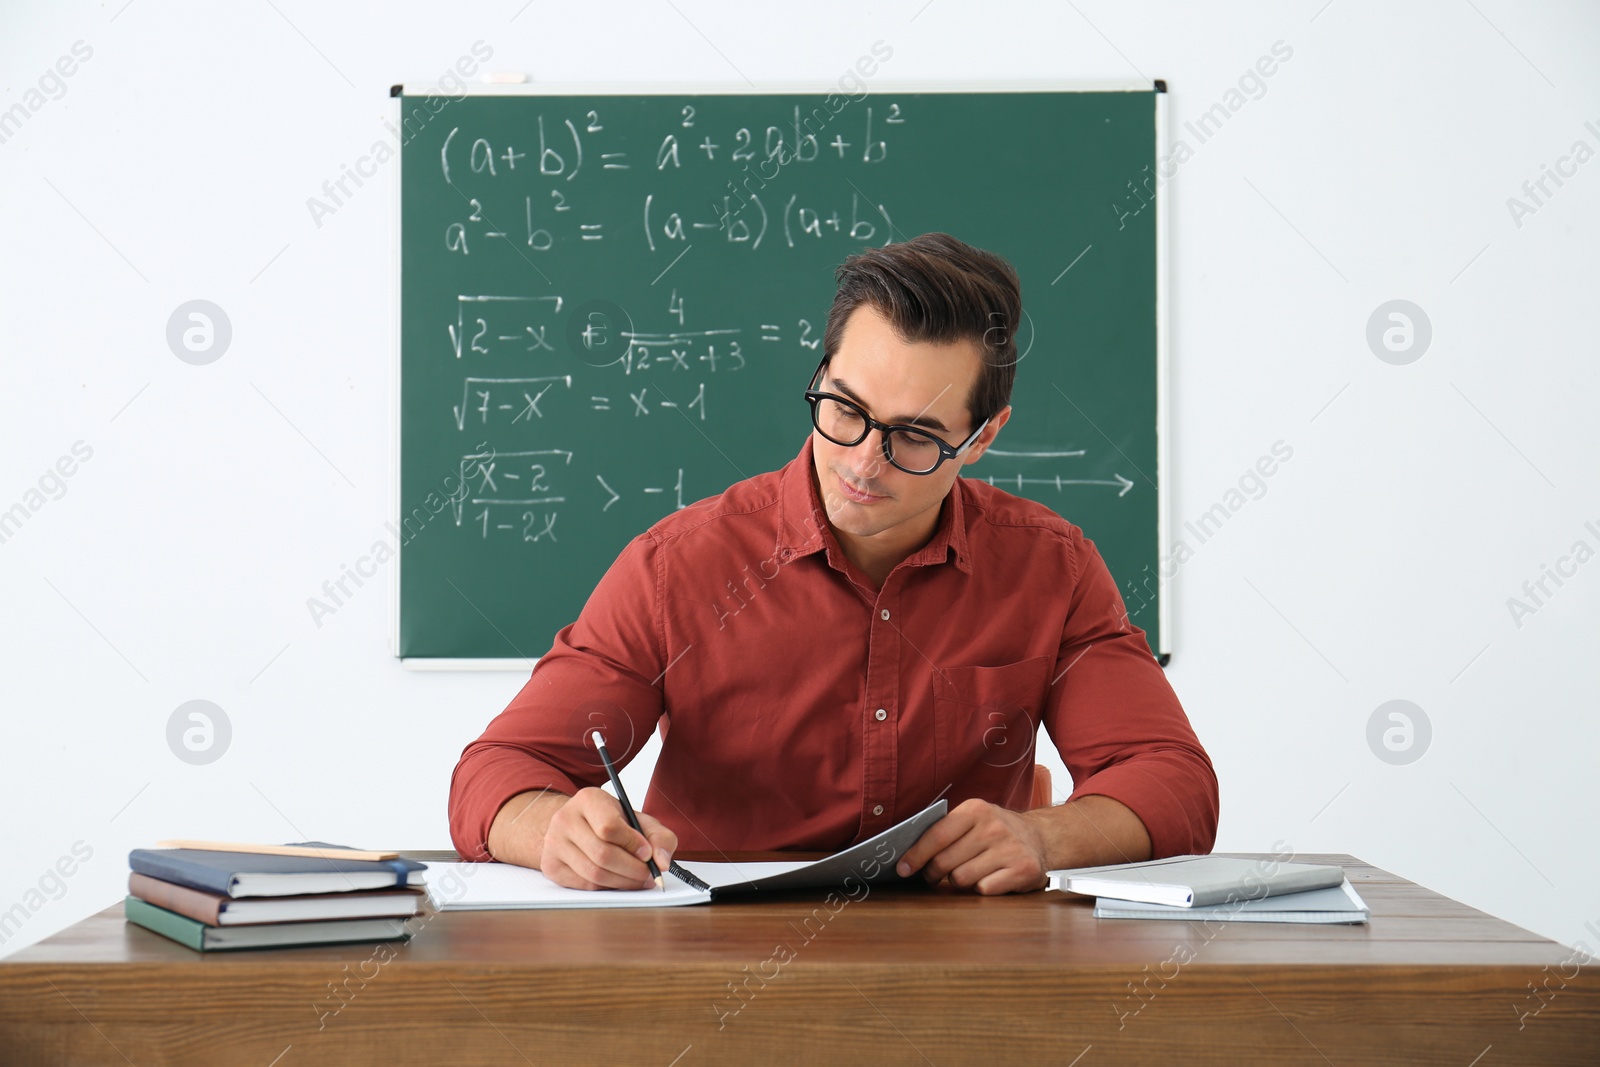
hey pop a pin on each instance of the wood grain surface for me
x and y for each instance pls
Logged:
(904, 974)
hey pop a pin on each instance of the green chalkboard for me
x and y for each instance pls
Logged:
(610, 304)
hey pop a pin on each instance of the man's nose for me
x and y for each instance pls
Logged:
(876, 449)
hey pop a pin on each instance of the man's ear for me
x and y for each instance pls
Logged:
(986, 438)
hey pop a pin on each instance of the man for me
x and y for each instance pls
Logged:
(830, 647)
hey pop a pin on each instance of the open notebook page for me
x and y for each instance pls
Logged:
(494, 886)
(497, 886)
(500, 886)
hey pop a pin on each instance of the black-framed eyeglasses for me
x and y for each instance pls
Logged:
(908, 448)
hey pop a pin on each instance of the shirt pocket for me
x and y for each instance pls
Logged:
(985, 722)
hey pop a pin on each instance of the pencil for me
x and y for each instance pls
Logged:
(622, 796)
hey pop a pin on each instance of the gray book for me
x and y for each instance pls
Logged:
(1337, 905)
(1197, 881)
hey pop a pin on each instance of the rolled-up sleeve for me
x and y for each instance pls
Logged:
(602, 673)
(1117, 723)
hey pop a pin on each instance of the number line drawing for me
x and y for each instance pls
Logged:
(1032, 455)
(1019, 481)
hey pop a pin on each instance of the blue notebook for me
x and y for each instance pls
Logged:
(255, 874)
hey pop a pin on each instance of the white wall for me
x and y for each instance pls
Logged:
(1377, 565)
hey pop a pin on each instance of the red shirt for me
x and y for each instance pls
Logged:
(800, 708)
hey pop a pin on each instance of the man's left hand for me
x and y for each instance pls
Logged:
(983, 846)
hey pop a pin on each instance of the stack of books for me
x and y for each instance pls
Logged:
(1217, 888)
(219, 895)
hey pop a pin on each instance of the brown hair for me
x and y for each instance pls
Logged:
(936, 288)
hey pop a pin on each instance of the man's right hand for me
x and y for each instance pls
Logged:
(582, 841)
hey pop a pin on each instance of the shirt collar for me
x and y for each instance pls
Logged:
(803, 523)
(800, 516)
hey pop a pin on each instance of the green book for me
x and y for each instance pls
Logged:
(202, 938)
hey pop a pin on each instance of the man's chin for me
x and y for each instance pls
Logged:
(847, 518)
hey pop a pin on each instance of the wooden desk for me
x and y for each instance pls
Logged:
(904, 975)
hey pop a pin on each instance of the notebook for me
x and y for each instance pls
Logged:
(216, 909)
(203, 938)
(500, 886)
(1197, 881)
(244, 874)
(1339, 904)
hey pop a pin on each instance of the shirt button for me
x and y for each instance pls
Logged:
(882, 714)
(885, 614)
(877, 809)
